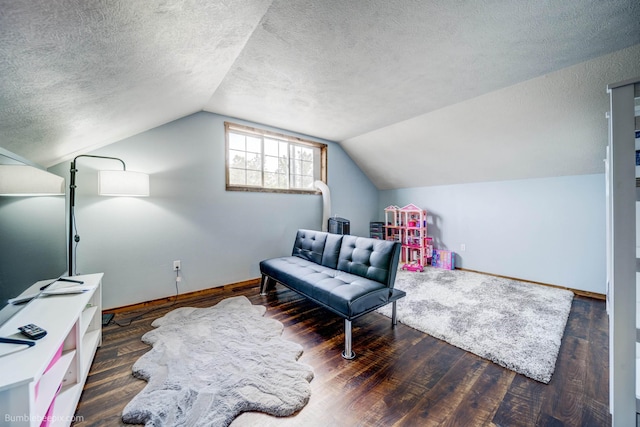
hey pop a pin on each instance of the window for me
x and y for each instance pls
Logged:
(259, 160)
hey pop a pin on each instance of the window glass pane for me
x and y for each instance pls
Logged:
(271, 164)
(271, 179)
(307, 182)
(271, 147)
(297, 166)
(283, 165)
(237, 177)
(306, 153)
(283, 162)
(236, 141)
(254, 161)
(283, 181)
(254, 144)
(237, 159)
(254, 178)
(306, 168)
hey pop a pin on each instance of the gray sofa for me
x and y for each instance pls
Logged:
(348, 275)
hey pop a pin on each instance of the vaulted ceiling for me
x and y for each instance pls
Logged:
(417, 92)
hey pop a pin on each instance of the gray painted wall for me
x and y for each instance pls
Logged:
(32, 242)
(219, 236)
(549, 230)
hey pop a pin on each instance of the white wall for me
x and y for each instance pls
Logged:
(549, 230)
(219, 236)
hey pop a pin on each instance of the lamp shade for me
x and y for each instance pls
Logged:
(123, 183)
(21, 180)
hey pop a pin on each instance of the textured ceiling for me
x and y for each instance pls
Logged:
(379, 76)
(337, 69)
(79, 74)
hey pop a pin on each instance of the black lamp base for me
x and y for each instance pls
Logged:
(107, 318)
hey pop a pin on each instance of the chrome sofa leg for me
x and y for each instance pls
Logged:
(347, 353)
(264, 285)
(394, 316)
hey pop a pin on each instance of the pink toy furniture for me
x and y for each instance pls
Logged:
(443, 259)
(408, 225)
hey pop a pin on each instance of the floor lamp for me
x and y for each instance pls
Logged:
(110, 183)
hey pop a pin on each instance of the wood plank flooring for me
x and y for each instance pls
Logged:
(400, 377)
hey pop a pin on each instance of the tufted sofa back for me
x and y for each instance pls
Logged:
(318, 246)
(374, 259)
(371, 258)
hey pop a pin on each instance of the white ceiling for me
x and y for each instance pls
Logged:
(417, 92)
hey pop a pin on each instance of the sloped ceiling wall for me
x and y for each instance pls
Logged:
(383, 77)
(553, 125)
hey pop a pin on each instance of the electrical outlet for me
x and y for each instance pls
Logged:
(176, 265)
(463, 247)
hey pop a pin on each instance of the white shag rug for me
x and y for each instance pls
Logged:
(517, 325)
(208, 365)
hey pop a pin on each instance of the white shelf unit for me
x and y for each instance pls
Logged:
(622, 253)
(34, 378)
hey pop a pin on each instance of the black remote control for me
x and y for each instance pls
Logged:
(15, 341)
(32, 331)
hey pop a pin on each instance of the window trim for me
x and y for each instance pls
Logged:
(229, 126)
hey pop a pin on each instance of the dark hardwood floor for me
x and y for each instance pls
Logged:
(400, 377)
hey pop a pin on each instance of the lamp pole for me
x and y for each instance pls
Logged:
(72, 202)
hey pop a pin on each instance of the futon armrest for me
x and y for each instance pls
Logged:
(396, 294)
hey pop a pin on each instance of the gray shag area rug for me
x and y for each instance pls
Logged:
(515, 324)
(208, 365)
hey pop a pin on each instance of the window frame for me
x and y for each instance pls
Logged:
(263, 133)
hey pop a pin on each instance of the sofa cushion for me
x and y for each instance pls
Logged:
(332, 250)
(317, 246)
(309, 245)
(374, 259)
(350, 295)
(296, 272)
